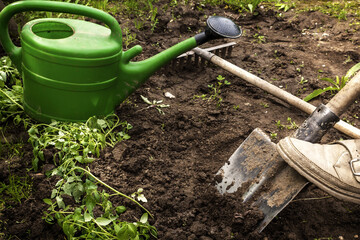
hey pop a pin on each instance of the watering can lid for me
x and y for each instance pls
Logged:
(57, 38)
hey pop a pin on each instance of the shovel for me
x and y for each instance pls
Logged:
(265, 180)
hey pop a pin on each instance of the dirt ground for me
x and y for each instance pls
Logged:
(175, 156)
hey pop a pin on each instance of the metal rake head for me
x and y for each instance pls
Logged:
(191, 59)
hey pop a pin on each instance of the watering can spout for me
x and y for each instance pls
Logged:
(139, 72)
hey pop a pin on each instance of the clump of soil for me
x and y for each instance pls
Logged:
(175, 156)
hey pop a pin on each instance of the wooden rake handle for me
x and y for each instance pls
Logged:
(338, 104)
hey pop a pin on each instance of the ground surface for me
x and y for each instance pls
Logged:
(175, 156)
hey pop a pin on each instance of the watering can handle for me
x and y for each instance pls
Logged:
(9, 11)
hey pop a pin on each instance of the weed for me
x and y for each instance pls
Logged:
(82, 221)
(157, 104)
(17, 189)
(259, 38)
(273, 136)
(265, 105)
(284, 5)
(129, 37)
(336, 84)
(215, 89)
(303, 80)
(291, 124)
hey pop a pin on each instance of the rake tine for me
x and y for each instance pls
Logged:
(230, 51)
(196, 60)
(191, 59)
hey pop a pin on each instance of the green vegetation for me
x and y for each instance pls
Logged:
(291, 124)
(215, 91)
(336, 84)
(157, 104)
(17, 189)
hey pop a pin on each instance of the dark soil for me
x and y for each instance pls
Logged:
(175, 156)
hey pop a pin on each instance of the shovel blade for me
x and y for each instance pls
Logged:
(263, 177)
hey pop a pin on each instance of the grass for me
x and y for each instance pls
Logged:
(15, 190)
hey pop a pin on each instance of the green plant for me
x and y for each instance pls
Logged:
(129, 37)
(291, 124)
(259, 38)
(215, 89)
(265, 105)
(303, 80)
(273, 135)
(337, 84)
(157, 104)
(284, 5)
(16, 189)
(82, 221)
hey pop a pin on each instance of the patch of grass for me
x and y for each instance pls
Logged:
(14, 190)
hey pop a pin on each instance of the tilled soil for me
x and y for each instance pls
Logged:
(174, 156)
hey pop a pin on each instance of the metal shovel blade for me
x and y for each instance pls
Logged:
(256, 167)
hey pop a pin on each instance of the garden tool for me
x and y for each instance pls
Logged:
(267, 183)
(191, 59)
(74, 69)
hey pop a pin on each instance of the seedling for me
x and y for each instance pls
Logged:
(157, 104)
(236, 107)
(303, 80)
(259, 38)
(273, 136)
(265, 105)
(291, 124)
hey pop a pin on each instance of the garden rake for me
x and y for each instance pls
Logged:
(267, 182)
(191, 59)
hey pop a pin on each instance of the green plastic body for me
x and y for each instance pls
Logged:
(74, 69)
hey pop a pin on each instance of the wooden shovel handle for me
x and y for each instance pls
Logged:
(346, 96)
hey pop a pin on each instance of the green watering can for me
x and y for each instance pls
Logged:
(74, 69)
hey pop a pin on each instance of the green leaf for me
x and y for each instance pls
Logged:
(54, 192)
(68, 188)
(132, 230)
(102, 221)
(87, 217)
(144, 218)
(146, 100)
(317, 92)
(90, 203)
(78, 191)
(352, 70)
(329, 80)
(120, 209)
(47, 201)
(102, 123)
(60, 202)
